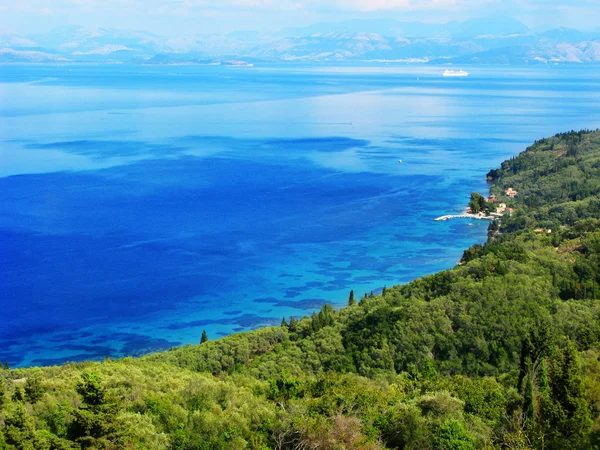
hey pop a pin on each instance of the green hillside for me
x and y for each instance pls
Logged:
(503, 351)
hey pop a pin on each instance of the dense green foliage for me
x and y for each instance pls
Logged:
(502, 351)
(478, 203)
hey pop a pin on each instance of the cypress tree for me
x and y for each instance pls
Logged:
(543, 383)
(204, 337)
(529, 400)
(293, 324)
(316, 322)
(94, 423)
(566, 415)
(351, 300)
(18, 395)
(284, 323)
(2, 393)
(34, 389)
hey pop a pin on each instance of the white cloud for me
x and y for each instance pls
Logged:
(173, 17)
(343, 5)
(388, 5)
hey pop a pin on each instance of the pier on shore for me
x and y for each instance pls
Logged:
(465, 216)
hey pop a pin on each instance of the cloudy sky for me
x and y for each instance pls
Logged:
(176, 17)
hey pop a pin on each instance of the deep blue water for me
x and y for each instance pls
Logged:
(141, 205)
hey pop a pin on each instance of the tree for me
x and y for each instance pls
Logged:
(2, 393)
(204, 337)
(18, 394)
(534, 348)
(6, 366)
(452, 435)
(326, 316)
(477, 203)
(285, 388)
(351, 300)
(20, 429)
(90, 389)
(94, 424)
(566, 416)
(34, 389)
(363, 300)
(284, 323)
(293, 327)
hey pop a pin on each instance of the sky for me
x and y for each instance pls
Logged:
(178, 17)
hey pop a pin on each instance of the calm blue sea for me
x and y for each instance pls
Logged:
(142, 205)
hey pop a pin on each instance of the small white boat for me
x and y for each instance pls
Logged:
(455, 73)
(400, 161)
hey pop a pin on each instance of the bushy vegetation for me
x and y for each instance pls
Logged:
(502, 351)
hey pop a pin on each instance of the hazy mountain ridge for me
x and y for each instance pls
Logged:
(395, 28)
(476, 41)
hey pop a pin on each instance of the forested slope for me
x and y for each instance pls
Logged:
(500, 352)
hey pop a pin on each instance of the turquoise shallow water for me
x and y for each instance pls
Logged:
(139, 206)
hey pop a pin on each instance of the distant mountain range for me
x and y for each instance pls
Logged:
(492, 40)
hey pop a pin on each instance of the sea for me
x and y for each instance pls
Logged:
(141, 205)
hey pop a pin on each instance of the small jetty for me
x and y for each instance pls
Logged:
(465, 216)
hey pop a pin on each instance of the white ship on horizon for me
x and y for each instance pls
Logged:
(455, 73)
